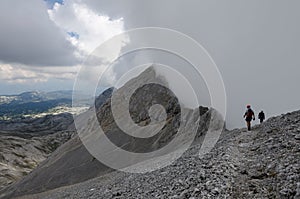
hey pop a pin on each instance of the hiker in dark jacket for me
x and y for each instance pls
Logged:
(249, 115)
(261, 116)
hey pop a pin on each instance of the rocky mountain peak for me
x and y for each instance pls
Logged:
(141, 100)
(263, 163)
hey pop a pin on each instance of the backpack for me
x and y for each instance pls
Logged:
(249, 113)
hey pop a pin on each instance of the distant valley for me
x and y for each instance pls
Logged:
(32, 126)
(37, 104)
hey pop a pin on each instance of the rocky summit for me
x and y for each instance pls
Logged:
(72, 163)
(262, 163)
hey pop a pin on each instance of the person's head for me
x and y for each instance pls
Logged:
(261, 111)
(248, 106)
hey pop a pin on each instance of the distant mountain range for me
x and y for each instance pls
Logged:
(27, 141)
(35, 96)
(31, 103)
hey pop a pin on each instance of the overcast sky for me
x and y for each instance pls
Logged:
(255, 44)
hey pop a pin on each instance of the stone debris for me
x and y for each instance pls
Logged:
(230, 170)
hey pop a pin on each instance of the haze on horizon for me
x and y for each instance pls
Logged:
(255, 44)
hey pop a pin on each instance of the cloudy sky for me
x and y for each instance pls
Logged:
(255, 44)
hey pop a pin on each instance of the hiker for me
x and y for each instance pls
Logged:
(249, 115)
(261, 116)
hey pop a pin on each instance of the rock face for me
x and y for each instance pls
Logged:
(25, 143)
(72, 163)
(101, 99)
(34, 127)
(263, 163)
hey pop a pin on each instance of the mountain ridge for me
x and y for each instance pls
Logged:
(72, 163)
(243, 164)
(263, 163)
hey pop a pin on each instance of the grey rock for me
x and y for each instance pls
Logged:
(298, 191)
(267, 166)
(22, 152)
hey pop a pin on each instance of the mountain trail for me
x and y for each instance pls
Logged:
(239, 156)
(243, 164)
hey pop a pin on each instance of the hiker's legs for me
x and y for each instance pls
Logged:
(249, 125)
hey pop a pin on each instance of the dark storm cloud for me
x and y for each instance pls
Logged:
(255, 44)
(29, 37)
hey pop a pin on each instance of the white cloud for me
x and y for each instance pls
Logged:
(14, 73)
(86, 30)
(82, 28)
(92, 29)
